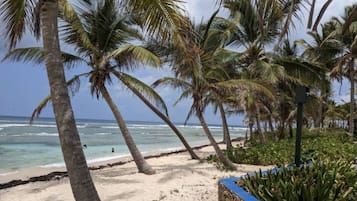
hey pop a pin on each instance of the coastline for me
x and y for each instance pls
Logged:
(58, 170)
(177, 178)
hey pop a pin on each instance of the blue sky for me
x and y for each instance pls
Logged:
(24, 85)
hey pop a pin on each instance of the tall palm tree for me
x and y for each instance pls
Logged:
(323, 50)
(346, 65)
(111, 44)
(15, 15)
(261, 23)
(190, 64)
(199, 74)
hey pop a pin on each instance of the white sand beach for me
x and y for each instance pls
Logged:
(177, 178)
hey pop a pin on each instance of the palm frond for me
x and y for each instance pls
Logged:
(73, 85)
(159, 17)
(245, 84)
(16, 15)
(37, 55)
(37, 111)
(172, 82)
(137, 86)
(30, 54)
(139, 53)
(184, 95)
(36, 21)
(189, 114)
(73, 30)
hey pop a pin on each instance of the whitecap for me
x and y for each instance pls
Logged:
(34, 134)
(13, 125)
(103, 133)
(110, 127)
(52, 165)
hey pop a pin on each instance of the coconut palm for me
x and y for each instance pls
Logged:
(199, 74)
(111, 46)
(304, 72)
(261, 23)
(17, 18)
(346, 65)
(323, 50)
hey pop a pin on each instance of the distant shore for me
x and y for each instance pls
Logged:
(177, 178)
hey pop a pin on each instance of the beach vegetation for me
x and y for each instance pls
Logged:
(332, 144)
(320, 180)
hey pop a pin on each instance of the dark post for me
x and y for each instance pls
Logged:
(301, 98)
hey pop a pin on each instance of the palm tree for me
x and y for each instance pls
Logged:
(190, 64)
(304, 72)
(164, 117)
(121, 53)
(261, 23)
(199, 74)
(346, 65)
(16, 15)
(324, 51)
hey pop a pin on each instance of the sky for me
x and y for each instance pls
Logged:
(24, 85)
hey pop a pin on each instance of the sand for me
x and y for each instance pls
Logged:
(177, 178)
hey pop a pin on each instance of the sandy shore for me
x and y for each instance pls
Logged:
(177, 178)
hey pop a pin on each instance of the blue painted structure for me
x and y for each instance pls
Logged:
(230, 183)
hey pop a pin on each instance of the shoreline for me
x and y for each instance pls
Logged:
(40, 173)
(177, 178)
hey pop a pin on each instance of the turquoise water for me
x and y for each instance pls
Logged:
(22, 145)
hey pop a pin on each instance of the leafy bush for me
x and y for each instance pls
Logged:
(327, 180)
(331, 144)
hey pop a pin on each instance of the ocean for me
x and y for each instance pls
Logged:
(23, 145)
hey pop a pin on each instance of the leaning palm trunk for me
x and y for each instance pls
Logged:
(139, 160)
(171, 125)
(162, 116)
(352, 96)
(250, 124)
(226, 162)
(226, 135)
(259, 129)
(81, 182)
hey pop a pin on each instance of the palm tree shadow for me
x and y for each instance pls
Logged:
(126, 196)
(171, 172)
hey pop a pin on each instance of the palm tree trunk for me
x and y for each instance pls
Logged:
(260, 133)
(162, 116)
(319, 117)
(281, 130)
(270, 121)
(226, 135)
(226, 162)
(139, 160)
(352, 97)
(250, 124)
(290, 125)
(81, 182)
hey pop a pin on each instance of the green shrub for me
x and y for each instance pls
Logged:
(327, 181)
(331, 144)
